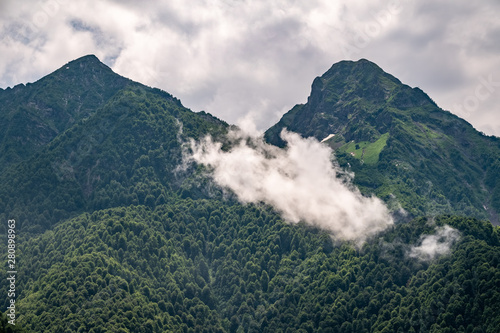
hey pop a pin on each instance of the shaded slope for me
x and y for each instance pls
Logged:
(123, 153)
(399, 142)
(32, 115)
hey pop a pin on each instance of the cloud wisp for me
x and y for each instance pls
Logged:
(300, 182)
(438, 244)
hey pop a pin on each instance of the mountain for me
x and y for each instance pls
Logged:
(114, 233)
(49, 106)
(105, 147)
(401, 146)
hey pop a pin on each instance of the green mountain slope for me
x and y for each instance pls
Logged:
(399, 143)
(32, 115)
(125, 152)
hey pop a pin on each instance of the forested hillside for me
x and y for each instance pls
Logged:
(118, 230)
(211, 266)
(125, 152)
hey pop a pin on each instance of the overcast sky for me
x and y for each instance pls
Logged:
(255, 60)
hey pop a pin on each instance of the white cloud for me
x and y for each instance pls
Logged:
(300, 182)
(438, 244)
(235, 57)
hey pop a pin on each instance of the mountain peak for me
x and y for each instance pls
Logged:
(361, 63)
(88, 66)
(85, 74)
(50, 105)
(89, 60)
(363, 71)
(348, 99)
(382, 127)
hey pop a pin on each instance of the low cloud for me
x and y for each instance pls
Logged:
(432, 246)
(299, 181)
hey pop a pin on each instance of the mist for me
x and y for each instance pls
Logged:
(299, 181)
(438, 244)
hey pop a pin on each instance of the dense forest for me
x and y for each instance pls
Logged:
(116, 233)
(211, 266)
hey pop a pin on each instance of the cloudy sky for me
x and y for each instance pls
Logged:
(254, 60)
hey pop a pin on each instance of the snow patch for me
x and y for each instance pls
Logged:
(328, 137)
